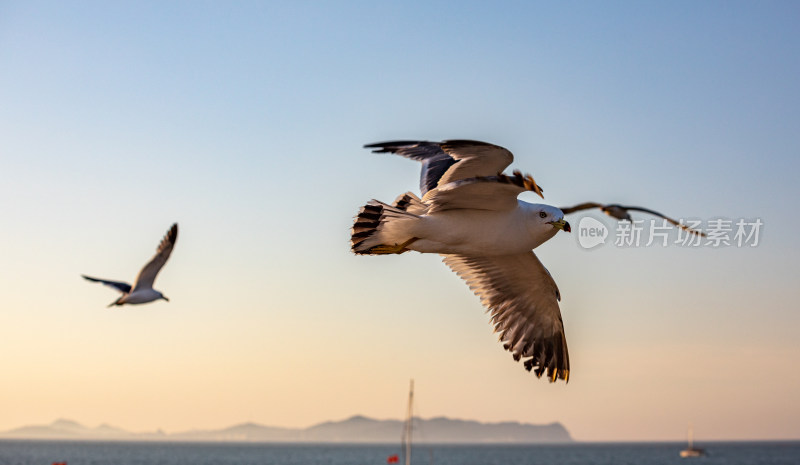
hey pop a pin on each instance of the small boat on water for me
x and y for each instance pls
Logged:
(692, 451)
(407, 427)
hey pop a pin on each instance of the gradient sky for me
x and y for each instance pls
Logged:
(244, 121)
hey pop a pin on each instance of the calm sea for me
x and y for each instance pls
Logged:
(150, 453)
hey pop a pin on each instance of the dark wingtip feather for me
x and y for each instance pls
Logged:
(459, 143)
(549, 357)
(392, 146)
(528, 364)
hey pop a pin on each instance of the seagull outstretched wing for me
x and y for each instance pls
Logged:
(522, 300)
(148, 274)
(125, 288)
(448, 161)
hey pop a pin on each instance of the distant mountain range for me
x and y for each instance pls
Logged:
(357, 429)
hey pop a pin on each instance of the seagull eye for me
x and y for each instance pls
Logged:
(542, 215)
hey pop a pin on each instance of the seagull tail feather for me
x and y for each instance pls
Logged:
(410, 203)
(380, 228)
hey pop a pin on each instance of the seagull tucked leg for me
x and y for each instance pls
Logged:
(392, 249)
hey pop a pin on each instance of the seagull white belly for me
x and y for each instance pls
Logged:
(142, 296)
(474, 232)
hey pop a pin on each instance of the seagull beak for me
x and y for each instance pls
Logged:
(561, 224)
(165, 298)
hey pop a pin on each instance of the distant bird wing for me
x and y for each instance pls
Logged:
(620, 212)
(581, 206)
(125, 288)
(148, 274)
(497, 192)
(451, 160)
(669, 220)
(522, 300)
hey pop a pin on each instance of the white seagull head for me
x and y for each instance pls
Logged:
(545, 221)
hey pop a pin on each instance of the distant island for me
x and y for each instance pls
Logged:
(357, 429)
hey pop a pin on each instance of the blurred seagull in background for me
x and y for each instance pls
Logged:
(142, 291)
(620, 212)
(469, 213)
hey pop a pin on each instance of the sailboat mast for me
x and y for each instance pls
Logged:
(409, 419)
(691, 437)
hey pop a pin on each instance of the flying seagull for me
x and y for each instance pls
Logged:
(620, 212)
(142, 291)
(470, 215)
